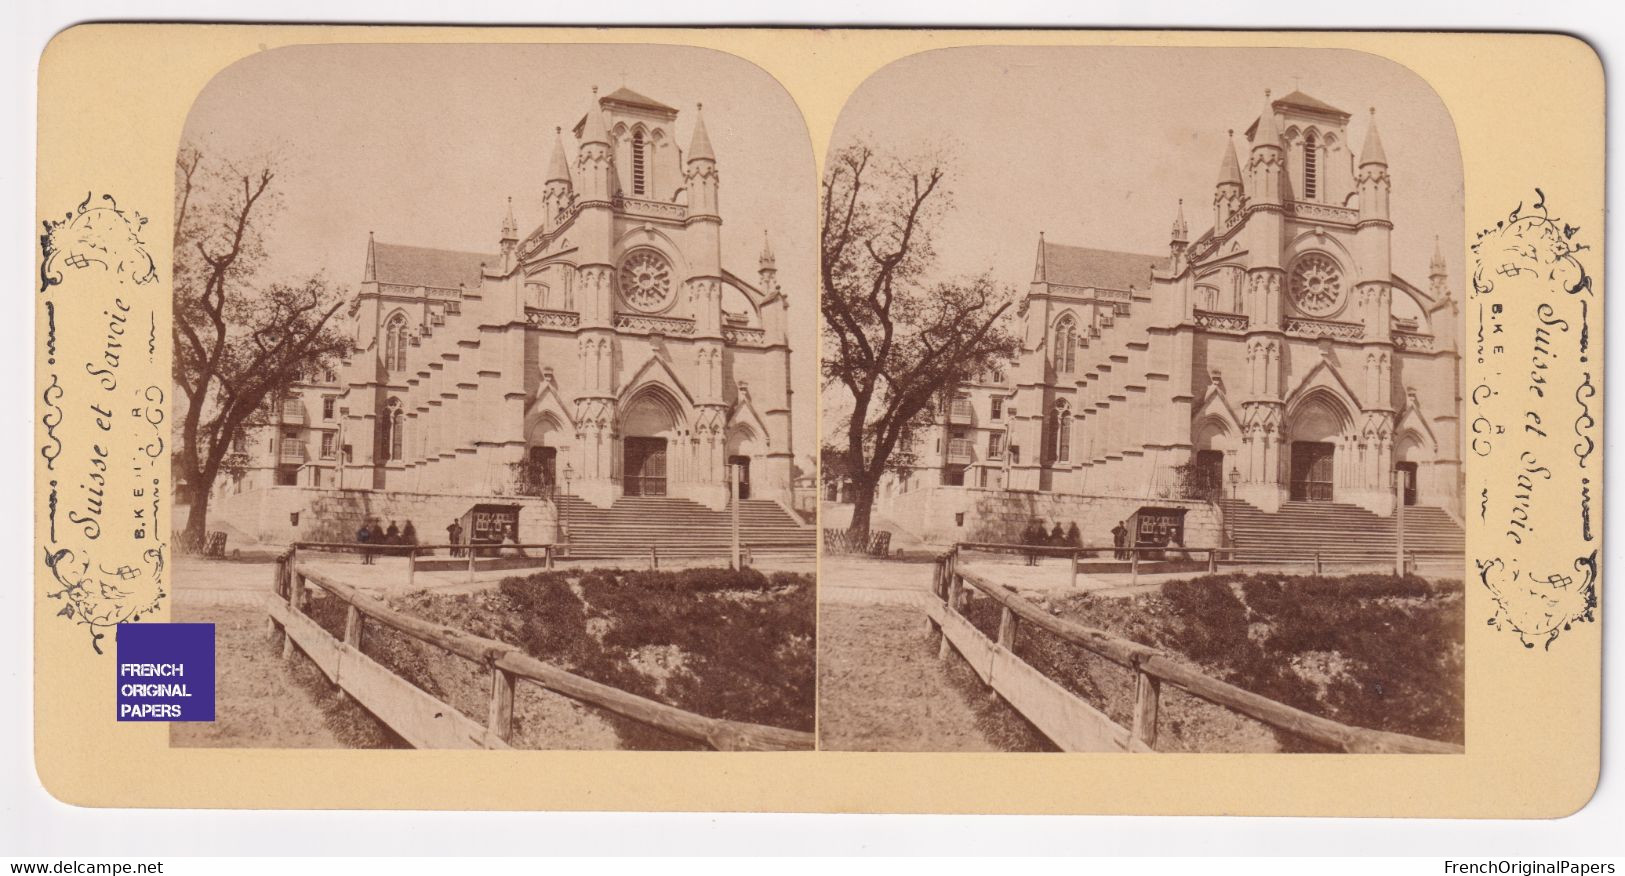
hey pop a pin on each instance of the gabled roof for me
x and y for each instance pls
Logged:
(628, 97)
(1094, 268)
(1299, 100)
(1303, 103)
(422, 266)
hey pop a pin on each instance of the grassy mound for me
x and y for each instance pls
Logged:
(724, 644)
(1375, 651)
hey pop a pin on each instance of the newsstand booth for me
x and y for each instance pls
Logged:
(488, 523)
(1153, 527)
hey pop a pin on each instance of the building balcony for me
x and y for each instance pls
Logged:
(292, 454)
(961, 411)
(293, 412)
(960, 452)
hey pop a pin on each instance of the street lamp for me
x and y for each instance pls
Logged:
(1401, 478)
(564, 507)
(1235, 479)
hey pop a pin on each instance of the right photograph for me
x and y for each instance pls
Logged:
(1141, 405)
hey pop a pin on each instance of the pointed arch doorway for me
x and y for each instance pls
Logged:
(652, 421)
(1316, 427)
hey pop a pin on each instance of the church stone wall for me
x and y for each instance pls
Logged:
(335, 515)
(933, 514)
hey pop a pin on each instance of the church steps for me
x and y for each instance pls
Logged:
(1337, 532)
(679, 528)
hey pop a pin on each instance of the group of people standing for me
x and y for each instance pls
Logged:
(1036, 535)
(371, 534)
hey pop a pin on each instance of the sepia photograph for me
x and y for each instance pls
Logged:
(494, 399)
(1142, 394)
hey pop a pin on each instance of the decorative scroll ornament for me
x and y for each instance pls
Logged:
(1317, 285)
(645, 278)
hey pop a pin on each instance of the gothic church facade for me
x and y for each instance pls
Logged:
(607, 350)
(1276, 356)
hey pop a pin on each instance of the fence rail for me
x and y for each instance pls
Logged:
(426, 722)
(1072, 723)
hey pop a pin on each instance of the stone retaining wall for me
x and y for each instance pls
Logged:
(943, 515)
(265, 515)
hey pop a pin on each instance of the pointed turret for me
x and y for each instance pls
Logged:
(510, 225)
(1230, 165)
(699, 148)
(1438, 275)
(595, 161)
(509, 241)
(592, 129)
(1227, 192)
(701, 172)
(1179, 239)
(1371, 152)
(1267, 161)
(558, 169)
(1267, 133)
(1038, 264)
(767, 261)
(767, 268)
(369, 274)
(1371, 179)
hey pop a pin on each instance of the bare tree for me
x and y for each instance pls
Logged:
(240, 342)
(895, 337)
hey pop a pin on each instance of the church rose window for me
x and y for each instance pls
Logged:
(646, 281)
(1317, 285)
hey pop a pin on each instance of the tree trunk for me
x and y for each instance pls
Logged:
(863, 504)
(195, 537)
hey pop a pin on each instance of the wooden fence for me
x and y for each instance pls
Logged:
(426, 722)
(1073, 724)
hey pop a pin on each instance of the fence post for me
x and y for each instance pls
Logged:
(1147, 691)
(500, 718)
(654, 558)
(950, 606)
(1007, 629)
(1134, 565)
(296, 598)
(411, 566)
(352, 627)
(471, 562)
(1317, 561)
(1074, 570)
(278, 574)
(549, 557)
(1212, 560)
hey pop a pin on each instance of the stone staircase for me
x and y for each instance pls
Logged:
(681, 529)
(1340, 533)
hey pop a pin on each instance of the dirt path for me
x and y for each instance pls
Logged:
(882, 688)
(260, 701)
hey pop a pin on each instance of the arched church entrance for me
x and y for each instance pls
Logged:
(649, 426)
(1316, 428)
(1407, 461)
(1213, 446)
(742, 445)
(544, 442)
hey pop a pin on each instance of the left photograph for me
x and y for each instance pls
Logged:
(494, 404)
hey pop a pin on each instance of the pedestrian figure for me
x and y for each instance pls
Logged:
(454, 534)
(409, 533)
(511, 538)
(364, 537)
(1032, 536)
(1120, 539)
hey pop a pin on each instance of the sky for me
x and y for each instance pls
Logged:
(1095, 146)
(423, 144)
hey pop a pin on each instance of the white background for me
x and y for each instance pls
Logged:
(33, 823)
